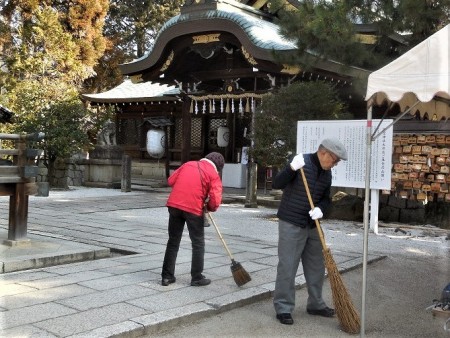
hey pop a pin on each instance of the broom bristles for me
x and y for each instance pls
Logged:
(345, 311)
(240, 276)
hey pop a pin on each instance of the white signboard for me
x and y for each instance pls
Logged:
(352, 133)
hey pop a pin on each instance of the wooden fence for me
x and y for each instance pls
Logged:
(18, 180)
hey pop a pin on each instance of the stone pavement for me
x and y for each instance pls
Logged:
(92, 262)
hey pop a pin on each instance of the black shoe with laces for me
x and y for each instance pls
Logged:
(168, 281)
(285, 318)
(325, 312)
(201, 282)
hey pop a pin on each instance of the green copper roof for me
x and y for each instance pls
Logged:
(262, 33)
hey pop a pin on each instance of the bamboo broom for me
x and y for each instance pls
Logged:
(345, 311)
(240, 275)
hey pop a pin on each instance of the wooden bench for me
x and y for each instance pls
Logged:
(18, 181)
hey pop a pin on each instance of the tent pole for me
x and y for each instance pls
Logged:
(395, 121)
(366, 218)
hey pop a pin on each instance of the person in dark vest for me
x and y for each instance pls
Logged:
(195, 185)
(298, 238)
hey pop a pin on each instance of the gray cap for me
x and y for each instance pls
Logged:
(336, 147)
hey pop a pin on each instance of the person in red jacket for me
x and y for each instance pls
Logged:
(195, 185)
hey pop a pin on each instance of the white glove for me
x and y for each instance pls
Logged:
(316, 213)
(297, 162)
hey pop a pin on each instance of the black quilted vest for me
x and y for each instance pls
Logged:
(294, 205)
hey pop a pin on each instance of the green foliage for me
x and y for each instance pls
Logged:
(54, 109)
(275, 131)
(417, 18)
(82, 19)
(327, 28)
(131, 28)
(48, 48)
(138, 22)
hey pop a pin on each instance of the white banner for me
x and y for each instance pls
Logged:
(352, 133)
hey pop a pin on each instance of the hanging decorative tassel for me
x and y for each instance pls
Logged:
(210, 107)
(191, 109)
(196, 107)
(253, 104)
(204, 107)
(221, 105)
(241, 108)
(247, 106)
(232, 106)
(213, 106)
(227, 109)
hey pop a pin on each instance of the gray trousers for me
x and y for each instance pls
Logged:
(295, 244)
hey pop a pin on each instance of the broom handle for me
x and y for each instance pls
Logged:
(311, 203)
(220, 235)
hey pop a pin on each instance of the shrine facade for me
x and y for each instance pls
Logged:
(206, 75)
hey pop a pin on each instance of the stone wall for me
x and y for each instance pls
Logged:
(392, 209)
(149, 169)
(68, 172)
(402, 210)
(75, 171)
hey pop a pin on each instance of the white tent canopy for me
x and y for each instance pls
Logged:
(418, 75)
(423, 70)
(419, 78)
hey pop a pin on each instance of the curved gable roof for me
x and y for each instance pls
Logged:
(257, 34)
(262, 33)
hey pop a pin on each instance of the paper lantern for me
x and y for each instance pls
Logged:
(156, 143)
(223, 136)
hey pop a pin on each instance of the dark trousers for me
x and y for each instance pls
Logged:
(177, 219)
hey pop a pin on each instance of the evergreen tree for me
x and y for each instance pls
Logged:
(275, 133)
(131, 28)
(138, 22)
(48, 48)
(328, 29)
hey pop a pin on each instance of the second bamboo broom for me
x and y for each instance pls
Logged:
(345, 311)
(240, 276)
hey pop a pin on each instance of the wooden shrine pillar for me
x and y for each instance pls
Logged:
(186, 130)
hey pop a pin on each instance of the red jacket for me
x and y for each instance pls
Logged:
(189, 191)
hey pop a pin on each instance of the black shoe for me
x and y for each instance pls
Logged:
(285, 318)
(325, 312)
(167, 281)
(201, 282)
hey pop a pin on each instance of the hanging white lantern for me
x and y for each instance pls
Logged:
(223, 136)
(156, 143)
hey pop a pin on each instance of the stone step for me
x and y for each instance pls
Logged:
(145, 183)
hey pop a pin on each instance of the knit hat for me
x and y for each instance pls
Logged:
(217, 159)
(336, 147)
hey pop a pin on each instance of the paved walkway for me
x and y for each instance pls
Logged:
(115, 244)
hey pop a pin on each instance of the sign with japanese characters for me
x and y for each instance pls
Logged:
(353, 134)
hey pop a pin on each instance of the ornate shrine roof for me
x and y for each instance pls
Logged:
(253, 28)
(240, 29)
(200, 25)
